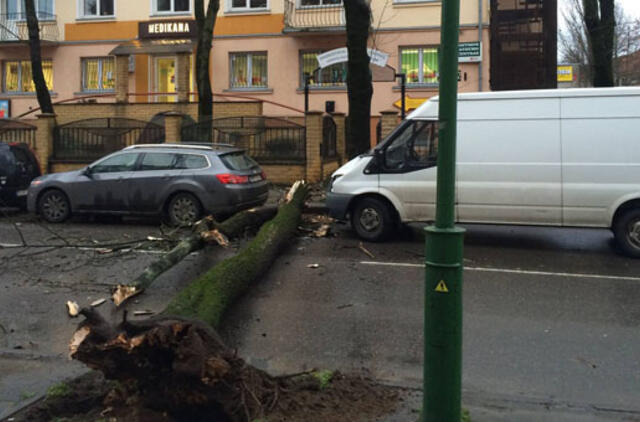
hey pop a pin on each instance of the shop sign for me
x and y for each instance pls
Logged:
(5, 109)
(182, 28)
(470, 52)
(565, 73)
(341, 55)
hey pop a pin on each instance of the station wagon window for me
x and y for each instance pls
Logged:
(191, 162)
(238, 161)
(157, 161)
(117, 163)
(414, 148)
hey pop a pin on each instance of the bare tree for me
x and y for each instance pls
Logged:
(205, 23)
(359, 81)
(600, 23)
(575, 47)
(42, 91)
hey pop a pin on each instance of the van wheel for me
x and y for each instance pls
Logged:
(372, 219)
(627, 232)
(54, 206)
(184, 209)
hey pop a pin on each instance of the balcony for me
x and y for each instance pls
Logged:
(13, 27)
(313, 16)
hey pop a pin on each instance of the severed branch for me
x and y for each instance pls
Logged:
(205, 230)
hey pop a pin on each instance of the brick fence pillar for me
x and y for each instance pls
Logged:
(341, 141)
(122, 78)
(182, 76)
(44, 139)
(389, 121)
(172, 124)
(313, 122)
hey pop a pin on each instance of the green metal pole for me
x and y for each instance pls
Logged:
(443, 250)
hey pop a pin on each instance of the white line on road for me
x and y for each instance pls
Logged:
(509, 271)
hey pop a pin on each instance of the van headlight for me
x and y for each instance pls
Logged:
(333, 179)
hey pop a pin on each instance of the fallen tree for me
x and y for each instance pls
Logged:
(205, 230)
(177, 360)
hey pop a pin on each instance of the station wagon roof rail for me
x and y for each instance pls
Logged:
(208, 147)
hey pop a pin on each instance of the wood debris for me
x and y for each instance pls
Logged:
(72, 308)
(98, 302)
(141, 313)
(215, 236)
(122, 293)
(365, 250)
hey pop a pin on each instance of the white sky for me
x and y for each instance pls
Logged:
(631, 7)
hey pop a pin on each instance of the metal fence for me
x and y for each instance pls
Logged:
(90, 139)
(266, 139)
(328, 148)
(16, 131)
(13, 27)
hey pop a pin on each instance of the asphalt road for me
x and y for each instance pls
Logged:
(550, 315)
(550, 319)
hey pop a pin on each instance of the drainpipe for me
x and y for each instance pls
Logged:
(480, 33)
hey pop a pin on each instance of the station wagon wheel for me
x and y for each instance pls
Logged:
(184, 209)
(372, 219)
(627, 232)
(54, 206)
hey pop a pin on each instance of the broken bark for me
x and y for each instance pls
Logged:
(205, 230)
(181, 364)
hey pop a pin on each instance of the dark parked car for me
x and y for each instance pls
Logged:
(176, 180)
(18, 167)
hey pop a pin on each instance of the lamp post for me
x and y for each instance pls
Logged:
(443, 250)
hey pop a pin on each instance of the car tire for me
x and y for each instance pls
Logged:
(626, 230)
(54, 206)
(184, 209)
(372, 219)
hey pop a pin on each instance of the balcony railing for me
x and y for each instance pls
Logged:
(13, 27)
(322, 17)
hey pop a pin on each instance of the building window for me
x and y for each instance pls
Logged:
(96, 8)
(331, 76)
(18, 77)
(242, 5)
(248, 70)
(420, 64)
(304, 3)
(15, 9)
(172, 6)
(98, 74)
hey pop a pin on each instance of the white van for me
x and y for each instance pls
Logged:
(565, 157)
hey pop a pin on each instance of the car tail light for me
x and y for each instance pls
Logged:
(264, 175)
(232, 179)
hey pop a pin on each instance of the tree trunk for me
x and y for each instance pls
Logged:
(182, 364)
(359, 81)
(599, 19)
(205, 24)
(231, 228)
(42, 91)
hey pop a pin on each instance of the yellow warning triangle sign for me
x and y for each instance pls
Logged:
(441, 287)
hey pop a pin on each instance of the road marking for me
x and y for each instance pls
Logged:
(509, 271)
(441, 287)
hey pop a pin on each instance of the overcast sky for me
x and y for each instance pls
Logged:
(631, 7)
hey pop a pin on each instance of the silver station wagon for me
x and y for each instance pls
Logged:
(179, 181)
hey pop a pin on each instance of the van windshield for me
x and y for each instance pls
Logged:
(415, 146)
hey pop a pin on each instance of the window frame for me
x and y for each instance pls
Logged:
(299, 5)
(20, 61)
(138, 155)
(420, 49)
(19, 10)
(409, 166)
(231, 8)
(172, 12)
(342, 85)
(249, 70)
(83, 15)
(100, 59)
